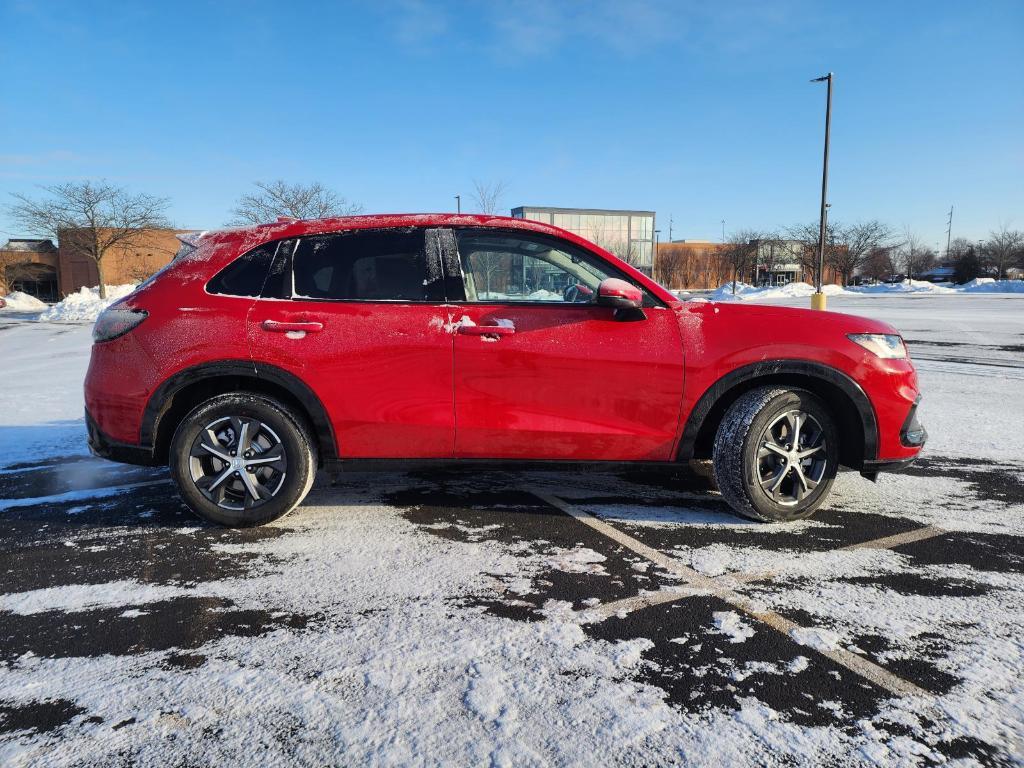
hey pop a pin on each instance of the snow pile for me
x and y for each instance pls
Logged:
(23, 302)
(746, 292)
(989, 285)
(84, 306)
(907, 286)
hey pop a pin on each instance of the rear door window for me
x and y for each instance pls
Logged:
(365, 265)
(245, 275)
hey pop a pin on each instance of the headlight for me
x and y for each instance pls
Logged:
(884, 345)
(116, 322)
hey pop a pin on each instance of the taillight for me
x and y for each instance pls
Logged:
(114, 322)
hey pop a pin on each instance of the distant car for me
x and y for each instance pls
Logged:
(3, 302)
(260, 354)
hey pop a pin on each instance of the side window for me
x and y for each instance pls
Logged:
(367, 265)
(245, 275)
(502, 266)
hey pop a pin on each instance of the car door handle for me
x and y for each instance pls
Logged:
(276, 326)
(487, 330)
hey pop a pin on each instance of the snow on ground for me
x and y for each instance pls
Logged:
(439, 618)
(23, 302)
(84, 306)
(41, 404)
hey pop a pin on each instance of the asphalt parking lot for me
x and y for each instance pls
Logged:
(501, 618)
(717, 612)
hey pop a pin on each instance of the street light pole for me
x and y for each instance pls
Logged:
(818, 298)
(458, 203)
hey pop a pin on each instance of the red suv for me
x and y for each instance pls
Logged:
(260, 354)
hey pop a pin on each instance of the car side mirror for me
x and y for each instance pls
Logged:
(616, 293)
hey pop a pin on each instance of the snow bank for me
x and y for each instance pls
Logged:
(990, 285)
(23, 302)
(745, 292)
(84, 306)
(907, 286)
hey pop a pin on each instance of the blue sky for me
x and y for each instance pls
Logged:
(699, 110)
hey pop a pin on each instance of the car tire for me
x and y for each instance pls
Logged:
(760, 471)
(242, 459)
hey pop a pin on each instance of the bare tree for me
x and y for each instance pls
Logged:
(488, 196)
(807, 235)
(1004, 249)
(675, 266)
(915, 257)
(856, 243)
(93, 217)
(300, 201)
(740, 253)
(881, 263)
(620, 247)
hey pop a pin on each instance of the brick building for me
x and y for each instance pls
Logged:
(128, 263)
(30, 266)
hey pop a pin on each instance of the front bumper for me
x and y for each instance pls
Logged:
(912, 435)
(102, 445)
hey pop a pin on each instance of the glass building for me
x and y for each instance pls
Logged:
(627, 234)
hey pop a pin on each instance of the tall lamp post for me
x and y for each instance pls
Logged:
(654, 256)
(818, 298)
(458, 203)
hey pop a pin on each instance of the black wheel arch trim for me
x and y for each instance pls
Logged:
(747, 373)
(163, 397)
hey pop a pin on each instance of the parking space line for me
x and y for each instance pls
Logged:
(885, 542)
(890, 542)
(701, 584)
(637, 602)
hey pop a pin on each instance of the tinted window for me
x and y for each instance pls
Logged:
(246, 274)
(378, 265)
(500, 266)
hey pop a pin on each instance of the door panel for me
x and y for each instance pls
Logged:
(569, 383)
(382, 371)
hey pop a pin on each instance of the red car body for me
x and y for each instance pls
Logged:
(414, 380)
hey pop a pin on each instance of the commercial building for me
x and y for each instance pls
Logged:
(627, 234)
(50, 272)
(30, 266)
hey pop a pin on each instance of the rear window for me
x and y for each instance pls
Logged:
(246, 274)
(363, 265)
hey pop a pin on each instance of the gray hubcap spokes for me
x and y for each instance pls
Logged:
(237, 462)
(791, 457)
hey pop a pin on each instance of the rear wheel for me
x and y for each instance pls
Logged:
(776, 454)
(242, 459)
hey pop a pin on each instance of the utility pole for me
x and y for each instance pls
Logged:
(458, 203)
(723, 230)
(949, 230)
(670, 227)
(818, 298)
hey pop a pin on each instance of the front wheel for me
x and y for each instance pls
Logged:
(242, 459)
(776, 454)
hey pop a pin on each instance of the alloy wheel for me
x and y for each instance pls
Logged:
(238, 462)
(792, 457)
